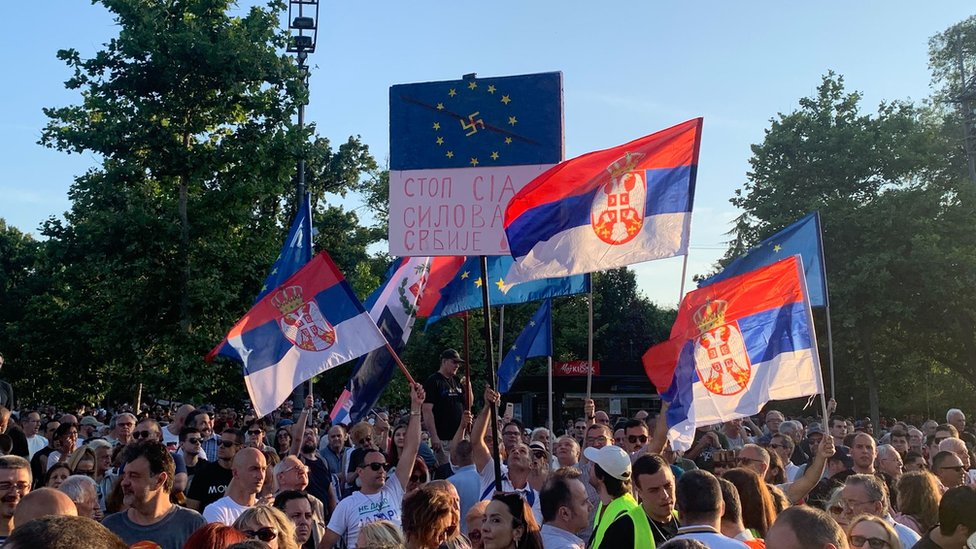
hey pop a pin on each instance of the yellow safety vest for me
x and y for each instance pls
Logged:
(624, 505)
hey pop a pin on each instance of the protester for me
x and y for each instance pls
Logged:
(56, 475)
(804, 527)
(378, 499)
(918, 501)
(83, 492)
(510, 524)
(15, 483)
(871, 531)
(380, 534)
(211, 481)
(429, 518)
(957, 521)
(63, 532)
(445, 402)
(297, 506)
(700, 507)
(655, 485)
(473, 521)
(267, 524)
(249, 470)
(758, 511)
(731, 522)
(565, 510)
(146, 484)
(43, 502)
(214, 536)
(620, 521)
(865, 494)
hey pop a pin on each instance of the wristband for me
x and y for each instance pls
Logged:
(414, 413)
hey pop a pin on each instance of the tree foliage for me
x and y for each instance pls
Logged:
(899, 242)
(168, 240)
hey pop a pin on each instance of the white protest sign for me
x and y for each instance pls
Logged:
(457, 211)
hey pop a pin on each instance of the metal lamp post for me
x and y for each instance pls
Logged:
(303, 17)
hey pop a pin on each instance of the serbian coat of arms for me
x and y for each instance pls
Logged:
(301, 322)
(720, 351)
(617, 213)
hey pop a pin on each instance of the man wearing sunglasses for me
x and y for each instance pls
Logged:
(379, 498)
(189, 449)
(211, 480)
(148, 429)
(635, 435)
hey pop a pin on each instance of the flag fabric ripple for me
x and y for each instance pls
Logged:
(734, 346)
(608, 208)
(309, 324)
(535, 340)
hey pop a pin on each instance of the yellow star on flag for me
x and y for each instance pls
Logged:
(449, 154)
(474, 161)
(465, 275)
(508, 140)
(440, 106)
(494, 155)
(506, 99)
(452, 93)
(472, 85)
(500, 284)
(478, 282)
(777, 248)
(440, 140)
(512, 120)
(437, 125)
(491, 88)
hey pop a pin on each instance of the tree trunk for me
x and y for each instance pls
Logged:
(874, 400)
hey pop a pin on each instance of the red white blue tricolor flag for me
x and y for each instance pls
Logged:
(734, 346)
(607, 208)
(309, 324)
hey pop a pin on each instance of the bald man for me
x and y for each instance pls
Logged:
(248, 470)
(43, 502)
(171, 434)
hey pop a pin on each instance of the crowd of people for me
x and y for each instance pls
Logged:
(438, 475)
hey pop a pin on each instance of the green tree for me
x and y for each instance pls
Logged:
(169, 239)
(886, 186)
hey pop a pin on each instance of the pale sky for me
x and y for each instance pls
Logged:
(629, 69)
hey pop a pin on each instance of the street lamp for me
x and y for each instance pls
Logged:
(303, 30)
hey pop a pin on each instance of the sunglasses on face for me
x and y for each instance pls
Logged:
(538, 455)
(873, 543)
(193, 440)
(376, 466)
(267, 533)
(635, 438)
(956, 468)
(228, 443)
(142, 434)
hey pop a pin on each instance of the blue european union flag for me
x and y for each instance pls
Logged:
(535, 340)
(802, 237)
(503, 121)
(295, 253)
(463, 292)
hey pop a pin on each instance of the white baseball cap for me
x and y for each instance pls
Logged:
(612, 459)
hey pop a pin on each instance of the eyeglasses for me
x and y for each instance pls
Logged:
(376, 466)
(193, 440)
(18, 486)
(956, 468)
(873, 543)
(142, 434)
(417, 478)
(836, 509)
(88, 473)
(634, 438)
(254, 433)
(778, 446)
(366, 440)
(228, 443)
(268, 533)
(851, 504)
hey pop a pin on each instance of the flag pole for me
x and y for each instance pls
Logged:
(399, 362)
(589, 343)
(501, 334)
(549, 402)
(490, 355)
(830, 335)
(467, 361)
(684, 273)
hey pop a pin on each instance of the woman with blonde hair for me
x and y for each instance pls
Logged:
(918, 501)
(82, 461)
(869, 531)
(269, 525)
(380, 534)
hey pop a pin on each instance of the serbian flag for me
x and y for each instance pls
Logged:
(734, 346)
(309, 324)
(607, 208)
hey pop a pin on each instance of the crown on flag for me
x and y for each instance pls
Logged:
(624, 164)
(288, 299)
(710, 315)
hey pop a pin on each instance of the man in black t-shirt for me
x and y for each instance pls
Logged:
(211, 480)
(444, 404)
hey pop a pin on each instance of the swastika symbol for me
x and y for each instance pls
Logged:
(472, 124)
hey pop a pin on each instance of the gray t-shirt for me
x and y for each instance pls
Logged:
(170, 532)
